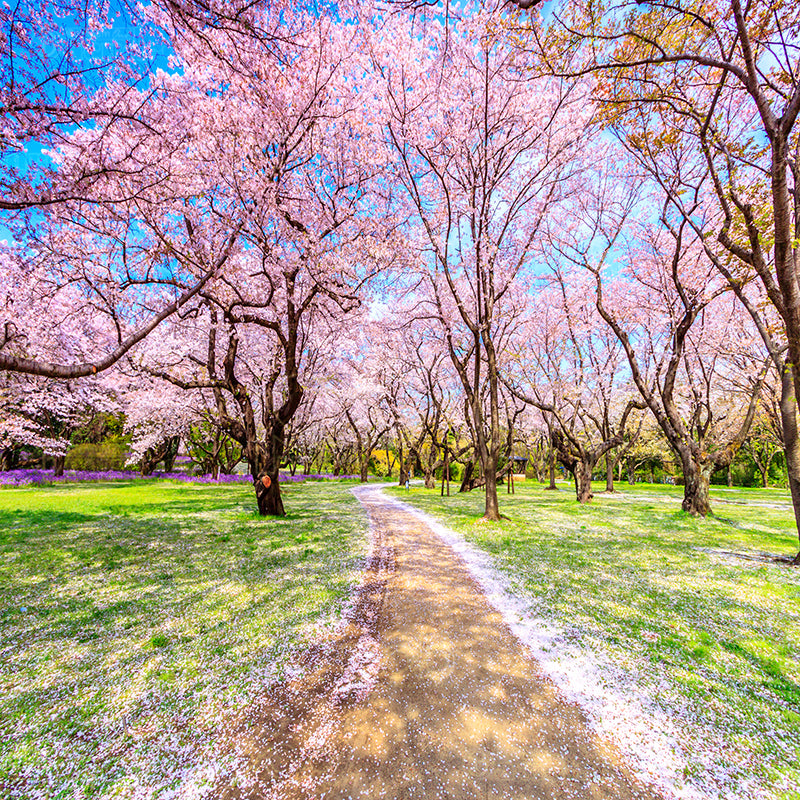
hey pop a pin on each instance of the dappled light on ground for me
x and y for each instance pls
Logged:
(138, 619)
(460, 710)
(677, 635)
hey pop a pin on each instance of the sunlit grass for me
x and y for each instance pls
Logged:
(137, 617)
(711, 636)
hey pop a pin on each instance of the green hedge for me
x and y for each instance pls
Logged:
(101, 457)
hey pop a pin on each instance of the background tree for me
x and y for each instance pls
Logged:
(671, 312)
(44, 414)
(357, 393)
(719, 86)
(482, 154)
(574, 374)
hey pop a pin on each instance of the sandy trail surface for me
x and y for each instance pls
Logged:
(428, 695)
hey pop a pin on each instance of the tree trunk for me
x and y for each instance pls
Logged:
(148, 463)
(166, 452)
(791, 443)
(696, 479)
(264, 459)
(770, 459)
(171, 452)
(609, 473)
(631, 473)
(9, 459)
(729, 476)
(430, 467)
(401, 464)
(466, 480)
(264, 468)
(364, 471)
(58, 465)
(552, 471)
(492, 507)
(231, 458)
(784, 252)
(270, 502)
(583, 481)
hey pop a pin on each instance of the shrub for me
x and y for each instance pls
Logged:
(97, 457)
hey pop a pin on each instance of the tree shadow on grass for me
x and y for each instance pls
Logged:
(779, 684)
(749, 557)
(28, 522)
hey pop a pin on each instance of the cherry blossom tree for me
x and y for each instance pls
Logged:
(674, 318)
(726, 76)
(267, 184)
(42, 413)
(356, 396)
(483, 153)
(427, 394)
(705, 180)
(157, 418)
(708, 98)
(57, 320)
(571, 367)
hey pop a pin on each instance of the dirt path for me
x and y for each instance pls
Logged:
(458, 710)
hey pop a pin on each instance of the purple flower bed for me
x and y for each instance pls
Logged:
(26, 477)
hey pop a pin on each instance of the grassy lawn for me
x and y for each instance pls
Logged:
(137, 617)
(710, 636)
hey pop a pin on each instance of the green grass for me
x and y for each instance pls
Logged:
(712, 638)
(138, 617)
